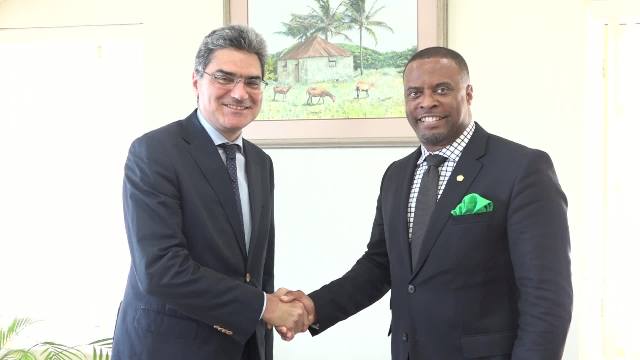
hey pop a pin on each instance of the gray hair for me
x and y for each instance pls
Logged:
(233, 36)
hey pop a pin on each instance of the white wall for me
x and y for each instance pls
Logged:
(325, 203)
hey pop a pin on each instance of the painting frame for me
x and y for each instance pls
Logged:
(432, 30)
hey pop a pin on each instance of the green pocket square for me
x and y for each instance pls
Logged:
(472, 204)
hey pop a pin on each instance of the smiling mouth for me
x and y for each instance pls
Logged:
(236, 107)
(430, 118)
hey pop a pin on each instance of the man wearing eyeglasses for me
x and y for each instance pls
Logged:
(198, 205)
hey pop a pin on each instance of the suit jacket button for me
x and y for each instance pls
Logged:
(405, 337)
(411, 289)
(247, 278)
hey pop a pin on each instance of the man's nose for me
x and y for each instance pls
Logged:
(238, 90)
(428, 101)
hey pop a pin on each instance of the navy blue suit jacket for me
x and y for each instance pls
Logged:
(192, 291)
(491, 286)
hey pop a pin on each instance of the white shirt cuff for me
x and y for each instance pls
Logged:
(264, 305)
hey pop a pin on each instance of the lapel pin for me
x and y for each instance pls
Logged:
(459, 178)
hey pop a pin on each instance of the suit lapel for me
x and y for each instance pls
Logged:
(208, 159)
(469, 166)
(256, 169)
(400, 198)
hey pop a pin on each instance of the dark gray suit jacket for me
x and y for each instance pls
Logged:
(490, 286)
(192, 291)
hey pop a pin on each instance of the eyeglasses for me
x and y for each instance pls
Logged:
(229, 81)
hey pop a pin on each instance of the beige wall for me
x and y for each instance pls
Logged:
(526, 63)
(171, 32)
(29, 13)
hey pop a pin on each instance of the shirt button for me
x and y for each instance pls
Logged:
(411, 289)
(247, 278)
(405, 337)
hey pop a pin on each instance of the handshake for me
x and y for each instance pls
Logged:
(290, 312)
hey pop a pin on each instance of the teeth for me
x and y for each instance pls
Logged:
(429, 118)
(234, 107)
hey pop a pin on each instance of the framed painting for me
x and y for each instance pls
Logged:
(334, 68)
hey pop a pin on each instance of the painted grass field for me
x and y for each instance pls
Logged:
(385, 99)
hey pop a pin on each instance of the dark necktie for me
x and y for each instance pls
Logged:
(425, 203)
(230, 152)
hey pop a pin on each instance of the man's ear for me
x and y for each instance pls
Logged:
(469, 94)
(194, 82)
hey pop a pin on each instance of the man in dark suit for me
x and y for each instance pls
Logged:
(470, 234)
(198, 204)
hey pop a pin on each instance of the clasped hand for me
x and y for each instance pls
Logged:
(290, 312)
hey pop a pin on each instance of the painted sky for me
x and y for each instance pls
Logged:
(400, 15)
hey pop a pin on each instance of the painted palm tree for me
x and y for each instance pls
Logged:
(321, 20)
(328, 21)
(358, 16)
(299, 27)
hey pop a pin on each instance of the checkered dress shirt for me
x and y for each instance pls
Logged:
(452, 152)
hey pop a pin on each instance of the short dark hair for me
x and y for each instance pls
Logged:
(440, 52)
(233, 36)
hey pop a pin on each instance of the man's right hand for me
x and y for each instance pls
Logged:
(292, 297)
(290, 315)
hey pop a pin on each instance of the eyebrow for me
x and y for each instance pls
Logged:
(229, 73)
(443, 83)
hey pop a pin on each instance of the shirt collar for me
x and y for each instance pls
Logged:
(452, 151)
(215, 135)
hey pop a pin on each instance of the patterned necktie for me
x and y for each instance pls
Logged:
(230, 151)
(425, 203)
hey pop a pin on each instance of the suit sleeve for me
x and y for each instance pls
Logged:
(366, 282)
(539, 247)
(160, 257)
(268, 277)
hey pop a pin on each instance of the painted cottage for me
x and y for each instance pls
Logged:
(315, 60)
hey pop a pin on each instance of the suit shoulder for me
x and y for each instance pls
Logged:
(519, 159)
(163, 132)
(251, 147)
(408, 160)
(254, 147)
(512, 149)
(402, 165)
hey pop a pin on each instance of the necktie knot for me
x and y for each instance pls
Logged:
(230, 150)
(230, 153)
(435, 160)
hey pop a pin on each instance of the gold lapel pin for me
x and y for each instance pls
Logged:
(459, 178)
